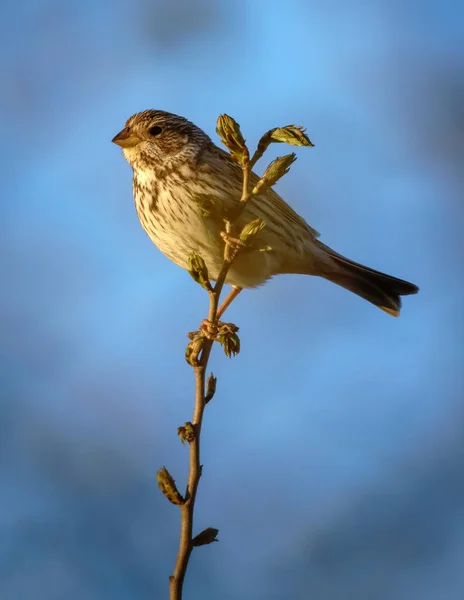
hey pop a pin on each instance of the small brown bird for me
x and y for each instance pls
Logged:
(177, 168)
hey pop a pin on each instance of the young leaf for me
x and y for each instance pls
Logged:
(277, 169)
(198, 270)
(251, 229)
(229, 131)
(293, 135)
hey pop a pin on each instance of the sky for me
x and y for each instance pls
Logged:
(333, 449)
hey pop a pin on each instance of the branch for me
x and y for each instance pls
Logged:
(200, 365)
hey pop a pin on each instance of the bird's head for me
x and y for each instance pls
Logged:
(159, 137)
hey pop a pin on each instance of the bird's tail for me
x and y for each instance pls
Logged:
(378, 288)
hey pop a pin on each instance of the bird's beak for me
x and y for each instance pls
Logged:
(126, 138)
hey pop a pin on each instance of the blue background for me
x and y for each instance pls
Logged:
(333, 451)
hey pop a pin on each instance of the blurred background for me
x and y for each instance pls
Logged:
(333, 451)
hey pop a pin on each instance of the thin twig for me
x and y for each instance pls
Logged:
(176, 580)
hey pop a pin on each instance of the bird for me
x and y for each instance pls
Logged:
(178, 171)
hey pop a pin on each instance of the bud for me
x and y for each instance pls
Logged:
(210, 388)
(231, 345)
(294, 135)
(229, 131)
(193, 349)
(168, 486)
(251, 229)
(186, 432)
(277, 169)
(291, 134)
(207, 536)
(198, 270)
(229, 340)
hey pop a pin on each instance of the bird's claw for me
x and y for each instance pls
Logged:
(213, 331)
(236, 243)
(210, 329)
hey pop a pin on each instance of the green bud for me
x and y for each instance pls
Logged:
(251, 230)
(229, 340)
(207, 536)
(229, 131)
(291, 134)
(210, 388)
(168, 486)
(277, 169)
(193, 349)
(198, 270)
(231, 345)
(186, 432)
(294, 135)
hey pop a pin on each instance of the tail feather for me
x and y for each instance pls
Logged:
(384, 291)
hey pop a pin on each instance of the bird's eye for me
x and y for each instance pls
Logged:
(155, 130)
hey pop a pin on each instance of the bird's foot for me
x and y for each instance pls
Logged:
(210, 329)
(236, 243)
(215, 331)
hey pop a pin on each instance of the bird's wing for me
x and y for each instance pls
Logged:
(272, 200)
